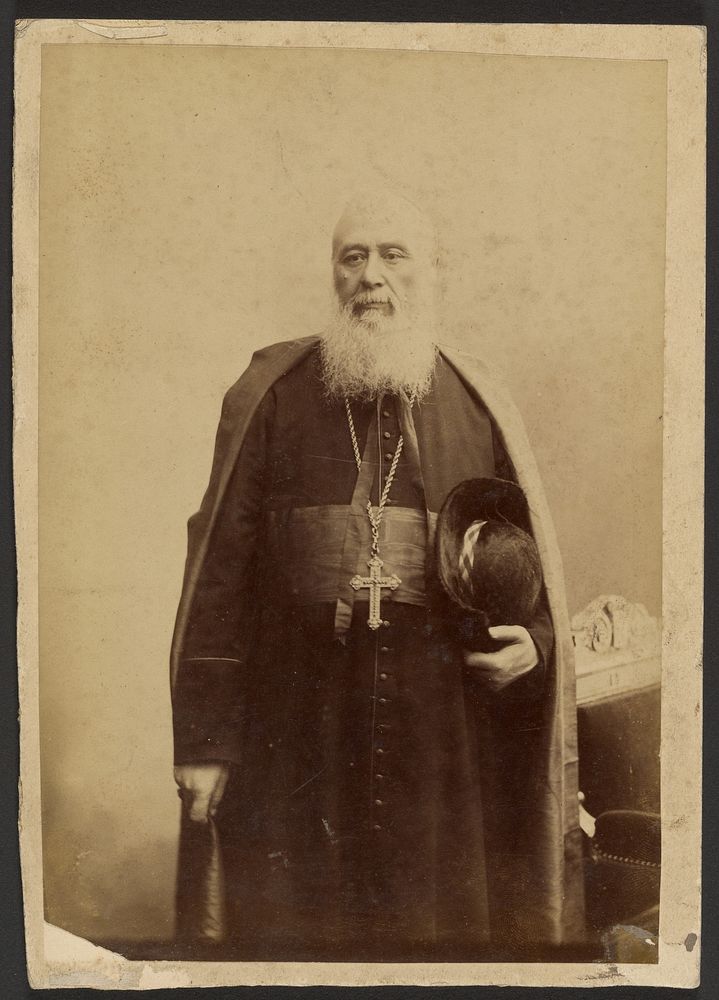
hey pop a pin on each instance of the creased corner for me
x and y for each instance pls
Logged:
(72, 961)
(22, 24)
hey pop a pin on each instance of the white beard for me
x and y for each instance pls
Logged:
(365, 357)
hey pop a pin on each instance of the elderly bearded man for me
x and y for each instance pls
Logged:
(377, 791)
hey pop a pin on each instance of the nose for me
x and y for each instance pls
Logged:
(372, 275)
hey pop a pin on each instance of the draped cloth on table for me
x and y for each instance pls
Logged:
(552, 895)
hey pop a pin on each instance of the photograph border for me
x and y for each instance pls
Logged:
(684, 50)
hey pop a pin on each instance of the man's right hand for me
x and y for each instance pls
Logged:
(202, 787)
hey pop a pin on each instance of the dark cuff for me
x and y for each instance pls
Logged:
(207, 706)
(530, 686)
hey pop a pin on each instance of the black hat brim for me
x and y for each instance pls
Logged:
(469, 501)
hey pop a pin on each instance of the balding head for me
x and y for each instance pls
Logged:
(389, 212)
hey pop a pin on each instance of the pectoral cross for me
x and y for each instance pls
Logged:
(374, 583)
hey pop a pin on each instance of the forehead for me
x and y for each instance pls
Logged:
(372, 226)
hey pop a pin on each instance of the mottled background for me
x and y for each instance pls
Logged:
(187, 195)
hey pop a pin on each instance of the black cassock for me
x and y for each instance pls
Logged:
(376, 806)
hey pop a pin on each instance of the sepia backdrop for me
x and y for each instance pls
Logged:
(187, 195)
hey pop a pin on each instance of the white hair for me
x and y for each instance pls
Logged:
(363, 358)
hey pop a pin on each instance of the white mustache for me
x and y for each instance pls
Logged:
(363, 299)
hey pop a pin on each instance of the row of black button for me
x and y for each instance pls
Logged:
(384, 650)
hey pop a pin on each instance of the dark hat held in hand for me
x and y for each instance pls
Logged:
(487, 561)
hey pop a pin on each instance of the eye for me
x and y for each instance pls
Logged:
(393, 256)
(353, 259)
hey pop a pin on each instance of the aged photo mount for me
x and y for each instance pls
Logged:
(176, 190)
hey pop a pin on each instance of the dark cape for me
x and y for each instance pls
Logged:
(455, 836)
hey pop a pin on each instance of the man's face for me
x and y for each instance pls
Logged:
(382, 263)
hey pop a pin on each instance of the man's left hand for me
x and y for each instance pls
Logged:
(500, 668)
